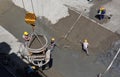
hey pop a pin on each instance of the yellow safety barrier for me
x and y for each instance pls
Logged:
(30, 18)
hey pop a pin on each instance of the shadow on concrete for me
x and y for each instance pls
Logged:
(97, 16)
(48, 65)
(4, 51)
(12, 65)
(4, 48)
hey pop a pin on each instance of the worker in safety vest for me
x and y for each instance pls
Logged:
(101, 13)
(85, 46)
(26, 36)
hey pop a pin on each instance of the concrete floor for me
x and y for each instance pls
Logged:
(100, 40)
(68, 58)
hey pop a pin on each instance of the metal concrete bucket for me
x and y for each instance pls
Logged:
(38, 47)
(30, 18)
(37, 44)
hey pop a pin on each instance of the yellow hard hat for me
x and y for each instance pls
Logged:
(85, 40)
(33, 67)
(53, 39)
(102, 8)
(26, 33)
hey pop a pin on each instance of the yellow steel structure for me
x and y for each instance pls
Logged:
(30, 18)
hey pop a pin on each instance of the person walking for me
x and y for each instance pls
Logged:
(85, 46)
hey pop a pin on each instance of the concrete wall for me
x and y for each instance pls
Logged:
(53, 10)
(50, 9)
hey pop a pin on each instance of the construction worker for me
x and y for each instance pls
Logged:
(33, 67)
(30, 71)
(85, 46)
(26, 36)
(101, 13)
(52, 40)
(52, 43)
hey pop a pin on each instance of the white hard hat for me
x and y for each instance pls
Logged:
(85, 40)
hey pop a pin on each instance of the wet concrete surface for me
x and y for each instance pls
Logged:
(70, 61)
(100, 40)
(83, 29)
